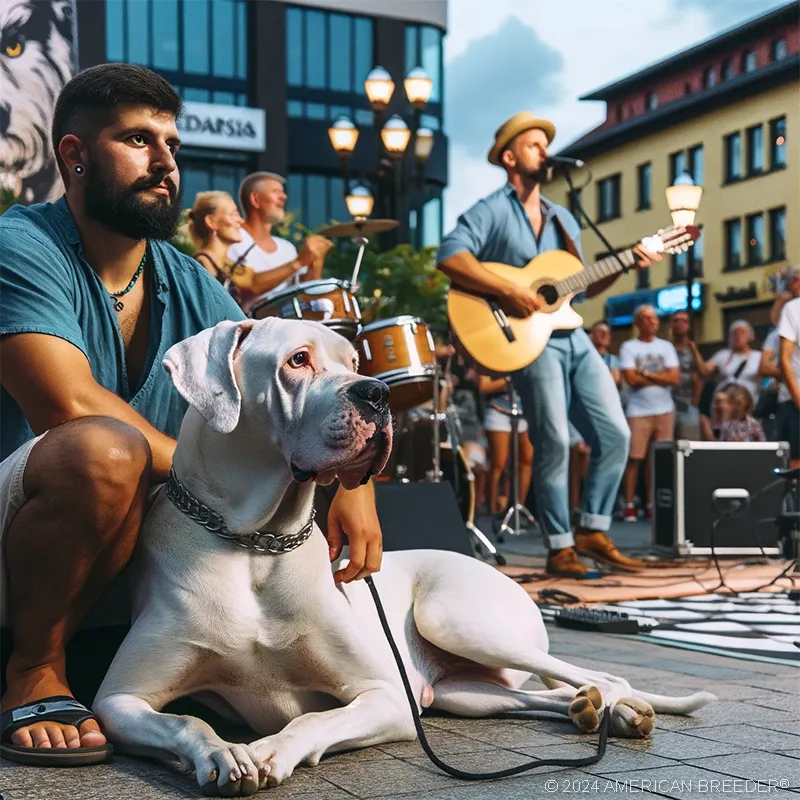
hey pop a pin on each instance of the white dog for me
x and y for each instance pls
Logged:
(269, 635)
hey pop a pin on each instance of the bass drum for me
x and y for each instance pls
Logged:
(327, 301)
(412, 460)
(400, 352)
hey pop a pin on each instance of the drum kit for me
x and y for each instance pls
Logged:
(399, 351)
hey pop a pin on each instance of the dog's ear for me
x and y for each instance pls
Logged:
(201, 367)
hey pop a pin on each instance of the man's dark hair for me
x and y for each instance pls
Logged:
(89, 101)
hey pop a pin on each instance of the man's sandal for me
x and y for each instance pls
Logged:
(63, 709)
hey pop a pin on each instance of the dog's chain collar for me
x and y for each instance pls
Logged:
(260, 542)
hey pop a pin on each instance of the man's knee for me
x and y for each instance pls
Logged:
(99, 461)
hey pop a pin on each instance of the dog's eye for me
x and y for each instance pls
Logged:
(299, 359)
(14, 50)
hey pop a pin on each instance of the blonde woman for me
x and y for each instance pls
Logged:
(215, 224)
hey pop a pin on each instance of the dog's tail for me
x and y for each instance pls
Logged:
(677, 705)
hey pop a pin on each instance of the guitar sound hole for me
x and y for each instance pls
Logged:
(549, 294)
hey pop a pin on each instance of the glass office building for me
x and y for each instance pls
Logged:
(286, 70)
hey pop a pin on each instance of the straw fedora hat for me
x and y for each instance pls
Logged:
(518, 124)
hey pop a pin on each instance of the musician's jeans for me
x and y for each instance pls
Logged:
(570, 374)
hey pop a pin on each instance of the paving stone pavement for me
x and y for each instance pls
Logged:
(751, 735)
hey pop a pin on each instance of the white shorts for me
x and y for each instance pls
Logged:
(12, 496)
(493, 420)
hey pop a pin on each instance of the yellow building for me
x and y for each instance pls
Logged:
(721, 111)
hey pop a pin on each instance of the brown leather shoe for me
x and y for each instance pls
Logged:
(566, 564)
(597, 546)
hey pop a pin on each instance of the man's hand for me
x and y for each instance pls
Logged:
(314, 247)
(520, 301)
(644, 258)
(353, 514)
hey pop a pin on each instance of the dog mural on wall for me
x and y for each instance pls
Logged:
(36, 59)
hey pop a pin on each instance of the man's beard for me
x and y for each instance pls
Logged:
(122, 209)
(540, 175)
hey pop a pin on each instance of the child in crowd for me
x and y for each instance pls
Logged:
(720, 412)
(741, 426)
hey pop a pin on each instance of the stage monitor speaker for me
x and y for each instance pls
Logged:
(421, 516)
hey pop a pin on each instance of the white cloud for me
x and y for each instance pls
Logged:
(597, 42)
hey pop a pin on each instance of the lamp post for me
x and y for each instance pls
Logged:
(683, 200)
(394, 137)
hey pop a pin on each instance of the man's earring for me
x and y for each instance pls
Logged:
(79, 169)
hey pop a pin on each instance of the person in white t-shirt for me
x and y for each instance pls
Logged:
(651, 368)
(789, 359)
(737, 364)
(263, 199)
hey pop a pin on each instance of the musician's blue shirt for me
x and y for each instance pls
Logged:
(48, 287)
(497, 229)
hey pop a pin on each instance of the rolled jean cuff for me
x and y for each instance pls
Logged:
(559, 541)
(595, 522)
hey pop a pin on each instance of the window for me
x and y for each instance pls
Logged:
(316, 199)
(608, 199)
(677, 165)
(728, 71)
(710, 77)
(652, 101)
(326, 50)
(755, 150)
(777, 234)
(779, 51)
(777, 143)
(432, 223)
(733, 244)
(182, 39)
(688, 259)
(749, 61)
(696, 164)
(755, 239)
(644, 179)
(199, 175)
(733, 157)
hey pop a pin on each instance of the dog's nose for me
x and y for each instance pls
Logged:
(374, 393)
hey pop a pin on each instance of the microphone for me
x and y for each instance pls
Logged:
(563, 162)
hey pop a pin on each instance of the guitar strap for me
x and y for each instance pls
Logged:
(565, 240)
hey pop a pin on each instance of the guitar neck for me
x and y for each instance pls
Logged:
(605, 268)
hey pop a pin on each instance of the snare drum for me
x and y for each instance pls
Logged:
(327, 301)
(400, 352)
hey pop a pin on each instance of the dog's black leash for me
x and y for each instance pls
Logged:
(477, 776)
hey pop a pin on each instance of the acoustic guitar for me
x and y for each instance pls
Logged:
(502, 343)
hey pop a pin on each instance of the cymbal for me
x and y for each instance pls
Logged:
(359, 228)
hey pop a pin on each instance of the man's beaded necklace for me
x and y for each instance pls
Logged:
(118, 304)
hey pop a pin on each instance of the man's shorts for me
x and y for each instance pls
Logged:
(656, 427)
(12, 496)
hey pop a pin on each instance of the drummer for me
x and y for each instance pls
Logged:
(263, 199)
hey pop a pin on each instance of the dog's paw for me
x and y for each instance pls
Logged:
(632, 718)
(230, 770)
(586, 709)
(280, 768)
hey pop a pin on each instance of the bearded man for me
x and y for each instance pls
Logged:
(93, 297)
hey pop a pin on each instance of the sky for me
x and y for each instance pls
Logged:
(505, 56)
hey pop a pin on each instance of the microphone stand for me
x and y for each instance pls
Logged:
(583, 215)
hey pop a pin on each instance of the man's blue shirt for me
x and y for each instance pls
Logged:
(497, 229)
(47, 287)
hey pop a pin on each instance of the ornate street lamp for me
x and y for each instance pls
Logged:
(379, 87)
(683, 200)
(418, 88)
(359, 202)
(395, 136)
(423, 144)
(343, 135)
